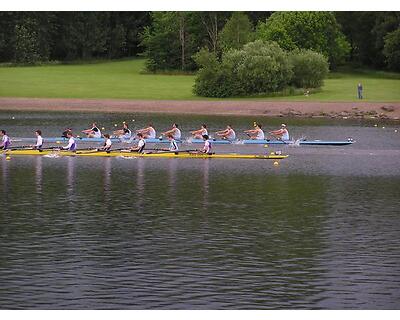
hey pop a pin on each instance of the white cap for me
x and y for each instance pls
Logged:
(283, 125)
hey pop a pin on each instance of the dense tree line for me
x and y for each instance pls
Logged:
(356, 38)
(170, 40)
(30, 37)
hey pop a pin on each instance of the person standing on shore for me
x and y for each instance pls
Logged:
(360, 90)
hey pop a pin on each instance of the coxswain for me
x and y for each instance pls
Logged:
(141, 144)
(256, 133)
(227, 134)
(93, 132)
(5, 140)
(147, 133)
(175, 132)
(198, 134)
(207, 145)
(71, 142)
(107, 143)
(281, 134)
(124, 133)
(39, 140)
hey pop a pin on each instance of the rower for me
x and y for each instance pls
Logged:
(5, 140)
(257, 133)
(66, 130)
(175, 132)
(124, 133)
(107, 143)
(93, 132)
(71, 143)
(173, 146)
(147, 133)
(39, 140)
(227, 134)
(207, 149)
(198, 134)
(141, 144)
(281, 134)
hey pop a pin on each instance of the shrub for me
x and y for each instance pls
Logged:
(260, 67)
(309, 68)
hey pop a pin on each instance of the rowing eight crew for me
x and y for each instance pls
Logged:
(227, 134)
(172, 135)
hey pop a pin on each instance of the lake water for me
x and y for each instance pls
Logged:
(319, 231)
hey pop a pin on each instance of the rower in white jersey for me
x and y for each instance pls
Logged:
(147, 133)
(227, 134)
(39, 140)
(5, 140)
(141, 144)
(281, 134)
(198, 134)
(257, 133)
(71, 142)
(207, 145)
(93, 132)
(107, 143)
(124, 133)
(175, 132)
(173, 146)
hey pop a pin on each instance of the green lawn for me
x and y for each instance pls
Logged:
(122, 80)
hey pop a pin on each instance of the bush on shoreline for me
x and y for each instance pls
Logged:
(309, 68)
(260, 68)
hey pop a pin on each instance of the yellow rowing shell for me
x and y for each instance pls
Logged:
(184, 155)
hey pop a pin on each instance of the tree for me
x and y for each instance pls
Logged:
(318, 31)
(310, 68)
(392, 49)
(385, 23)
(26, 44)
(172, 39)
(237, 31)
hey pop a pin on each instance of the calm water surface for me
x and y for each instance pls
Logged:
(319, 231)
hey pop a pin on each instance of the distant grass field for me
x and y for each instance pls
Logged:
(123, 80)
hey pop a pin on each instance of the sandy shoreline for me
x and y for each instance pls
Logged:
(345, 110)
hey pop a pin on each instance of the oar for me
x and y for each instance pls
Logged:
(22, 147)
(176, 151)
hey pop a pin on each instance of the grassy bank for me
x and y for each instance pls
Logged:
(124, 80)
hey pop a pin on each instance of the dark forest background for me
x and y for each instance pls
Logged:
(40, 37)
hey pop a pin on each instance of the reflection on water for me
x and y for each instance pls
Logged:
(134, 233)
(321, 230)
